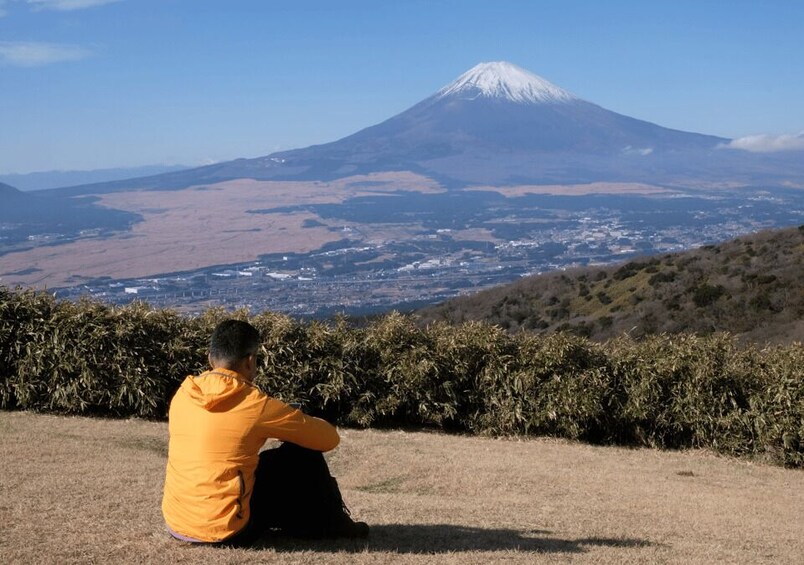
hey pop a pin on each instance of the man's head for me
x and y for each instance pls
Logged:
(234, 346)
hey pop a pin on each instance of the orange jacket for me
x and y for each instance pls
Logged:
(218, 423)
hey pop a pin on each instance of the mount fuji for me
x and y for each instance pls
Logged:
(500, 124)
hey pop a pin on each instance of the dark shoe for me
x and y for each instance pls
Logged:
(341, 524)
(348, 528)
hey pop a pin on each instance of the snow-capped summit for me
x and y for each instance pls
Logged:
(501, 79)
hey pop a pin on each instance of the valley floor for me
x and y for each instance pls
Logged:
(78, 490)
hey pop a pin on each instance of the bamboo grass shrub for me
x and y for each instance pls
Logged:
(88, 358)
(395, 374)
(776, 419)
(667, 391)
(569, 380)
(314, 364)
(488, 394)
(23, 314)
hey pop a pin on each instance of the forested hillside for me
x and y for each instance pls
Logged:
(751, 286)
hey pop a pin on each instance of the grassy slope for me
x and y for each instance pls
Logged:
(79, 490)
(752, 286)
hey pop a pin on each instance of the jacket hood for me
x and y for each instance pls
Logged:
(213, 387)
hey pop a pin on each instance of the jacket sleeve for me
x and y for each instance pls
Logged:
(283, 422)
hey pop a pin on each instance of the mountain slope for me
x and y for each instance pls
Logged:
(499, 124)
(52, 179)
(750, 286)
(499, 106)
(8, 192)
(497, 112)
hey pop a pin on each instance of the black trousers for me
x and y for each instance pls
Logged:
(294, 493)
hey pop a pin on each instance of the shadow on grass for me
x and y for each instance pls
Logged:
(446, 538)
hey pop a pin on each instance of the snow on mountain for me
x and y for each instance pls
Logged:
(501, 79)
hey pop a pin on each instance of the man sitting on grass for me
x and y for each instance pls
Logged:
(218, 487)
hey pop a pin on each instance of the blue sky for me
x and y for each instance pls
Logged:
(87, 84)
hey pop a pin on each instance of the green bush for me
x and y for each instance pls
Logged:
(663, 391)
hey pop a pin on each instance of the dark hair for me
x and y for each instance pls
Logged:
(233, 340)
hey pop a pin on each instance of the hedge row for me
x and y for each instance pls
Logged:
(663, 391)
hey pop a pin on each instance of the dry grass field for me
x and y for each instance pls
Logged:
(77, 490)
(201, 226)
(577, 189)
(184, 230)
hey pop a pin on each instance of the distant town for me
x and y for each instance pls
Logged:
(357, 276)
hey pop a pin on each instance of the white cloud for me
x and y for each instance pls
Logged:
(768, 143)
(67, 5)
(35, 54)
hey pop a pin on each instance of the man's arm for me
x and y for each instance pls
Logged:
(286, 423)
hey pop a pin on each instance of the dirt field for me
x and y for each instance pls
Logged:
(78, 490)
